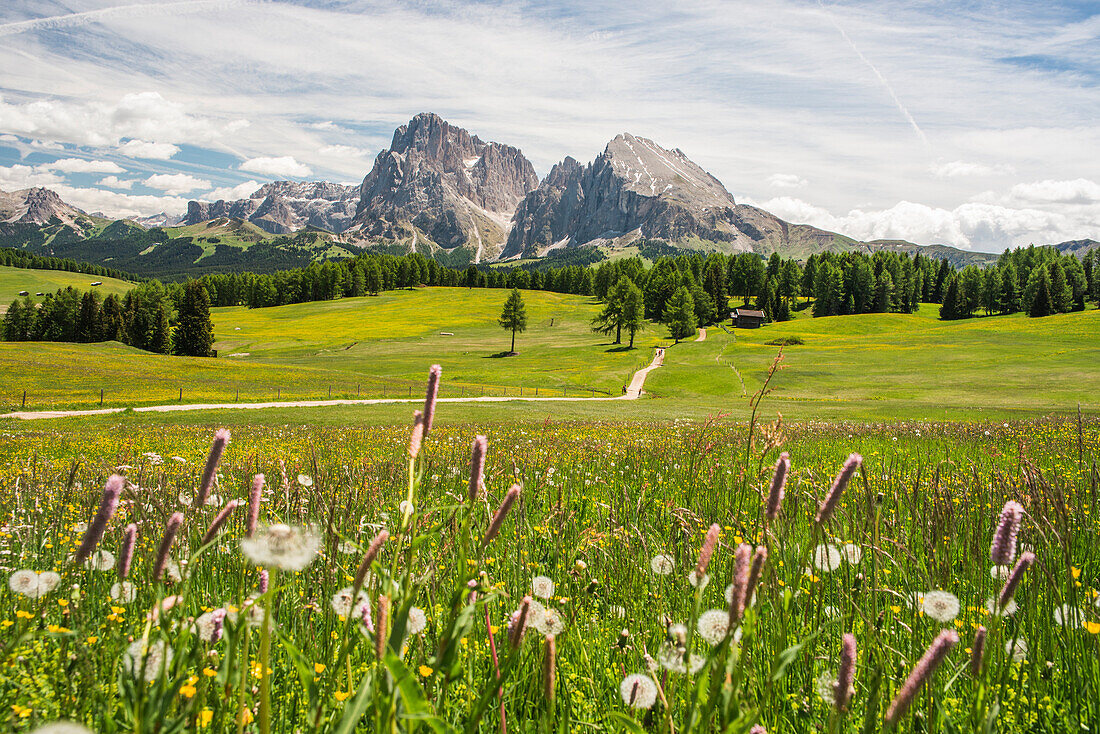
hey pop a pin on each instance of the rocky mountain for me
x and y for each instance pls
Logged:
(162, 219)
(1077, 247)
(636, 188)
(36, 207)
(283, 207)
(441, 188)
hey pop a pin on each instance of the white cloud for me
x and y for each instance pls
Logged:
(980, 225)
(175, 183)
(17, 177)
(955, 169)
(1077, 191)
(231, 193)
(345, 151)
(145, 149)
(118, 205)
(279, 166)
(145, 116)
(114, 182)
(786, 181)
(79, 165)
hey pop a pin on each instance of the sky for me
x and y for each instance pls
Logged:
(970, 123)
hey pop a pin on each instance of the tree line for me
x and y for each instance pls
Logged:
(22, 259)
(163, 319)
(1039, 281)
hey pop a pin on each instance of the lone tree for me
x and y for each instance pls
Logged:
(680, 315)
(194, 336)
(625, 309)
(514, 316)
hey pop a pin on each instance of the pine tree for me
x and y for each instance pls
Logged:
(633, 310)
(372, 277)
(87, 324)
(950, 308)
(610, 319)
(514, 316)
(680, 314)
(1061, 296)
(194, 335)
(1041, 305)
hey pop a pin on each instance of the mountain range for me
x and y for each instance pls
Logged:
(443, 192)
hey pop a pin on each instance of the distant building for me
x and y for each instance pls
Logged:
(745, 318)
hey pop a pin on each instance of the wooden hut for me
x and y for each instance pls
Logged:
(746, 318)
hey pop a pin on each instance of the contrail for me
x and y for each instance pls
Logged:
(881, 78)
(128, 11)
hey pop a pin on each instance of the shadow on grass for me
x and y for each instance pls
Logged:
(498, 355)
(621, 348)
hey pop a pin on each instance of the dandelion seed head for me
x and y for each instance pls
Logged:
(999, 573)
(942, 606)
(282, 546)
(638, 691)
(696, 581)
(209, 625)
(25, 582)
(993, 607)
(1016, 649)
(825, 687)
(547, 621)
(826, 558)
(418, 621)
(713, 625)
(342, 603)
(542, 587)
(157, 657)
(123, 592)
(851, 553)
(661, 564)
(1069, 617)
(101, 560)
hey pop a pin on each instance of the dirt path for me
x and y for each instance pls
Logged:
(702, 335)
(633, 391)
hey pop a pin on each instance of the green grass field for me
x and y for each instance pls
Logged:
(13, 280)
(881, 366)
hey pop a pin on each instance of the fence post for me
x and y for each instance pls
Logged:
(410, 391)
(181, 394)
(536, 392)
(330, 392)
(238, 393)
(278, 393)
(101, 397)
(357, 389)
(24, 398)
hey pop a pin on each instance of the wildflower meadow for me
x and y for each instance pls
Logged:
(532, 577)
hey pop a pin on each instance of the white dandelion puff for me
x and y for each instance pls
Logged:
(851, 553)
(305, 480)
(155, 659)
(1017, 650)
(542, 587)
(993, 607)
(638, 691)
(418, 621)
(1000, 573)
(123, 592)
(25, 582)
(698, 583)
(47, 582)
(282, 546)
(942, 606)
(342, 603)
(209, 625)
(661, 564)
(825, 687)
(713, 625)
(1069, 617)
(826, 558)
(101, 560)
(547, 621)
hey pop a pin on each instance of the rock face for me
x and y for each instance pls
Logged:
(35, 207)
(283, 207)
(444, 189)
(637, 188)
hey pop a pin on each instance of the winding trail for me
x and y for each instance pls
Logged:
(633, 391)
(702, 335)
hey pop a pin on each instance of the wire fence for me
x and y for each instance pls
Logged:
(29, 400)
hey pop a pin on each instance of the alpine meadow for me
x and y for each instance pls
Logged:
(749, 386)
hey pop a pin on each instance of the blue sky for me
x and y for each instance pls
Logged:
(968, 123)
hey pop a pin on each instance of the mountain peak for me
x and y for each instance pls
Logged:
(443, 187)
